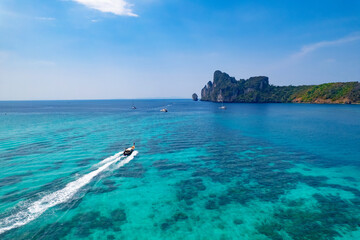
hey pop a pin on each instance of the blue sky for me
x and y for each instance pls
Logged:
(113, 49)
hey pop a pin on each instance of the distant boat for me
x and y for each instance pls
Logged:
(163, 110)
(220, 98)
(133, 106)
(129, 151)
(222, 106)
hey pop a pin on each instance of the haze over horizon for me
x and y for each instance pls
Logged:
(128, 49)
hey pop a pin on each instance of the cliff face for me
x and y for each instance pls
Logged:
(258, 90)
(228, 89)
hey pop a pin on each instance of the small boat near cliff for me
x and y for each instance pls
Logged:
(221, 99)
(222, 106)
(129, 150)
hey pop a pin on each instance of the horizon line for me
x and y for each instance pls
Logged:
(92, 99)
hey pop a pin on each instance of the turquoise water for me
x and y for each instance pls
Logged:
(254, 171)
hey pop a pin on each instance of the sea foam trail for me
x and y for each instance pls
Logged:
(109, 159)
(39, 207)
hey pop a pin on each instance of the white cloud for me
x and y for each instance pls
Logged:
(313, 47)
(117, 7)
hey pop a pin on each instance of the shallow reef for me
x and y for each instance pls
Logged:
(177, 217)
(327, 221)
(262, 174)
(41, 147)
(13, 179)
(82, 225)
(134, 170)
(165, 164)
(188, 189)
(85, 162)
(107, 186)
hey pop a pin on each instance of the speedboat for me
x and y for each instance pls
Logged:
(129, 150)
(133, 107)
(163, 110)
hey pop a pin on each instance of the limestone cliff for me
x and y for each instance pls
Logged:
(258, 90)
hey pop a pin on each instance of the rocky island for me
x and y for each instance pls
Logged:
(258, 90)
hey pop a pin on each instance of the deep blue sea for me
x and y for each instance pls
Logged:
(252, 171)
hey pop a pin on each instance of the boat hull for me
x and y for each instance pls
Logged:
(128, 152)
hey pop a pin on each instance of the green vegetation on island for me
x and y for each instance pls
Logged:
(258, 90)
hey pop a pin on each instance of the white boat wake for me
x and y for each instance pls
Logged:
(109, 159)
(40, 206)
